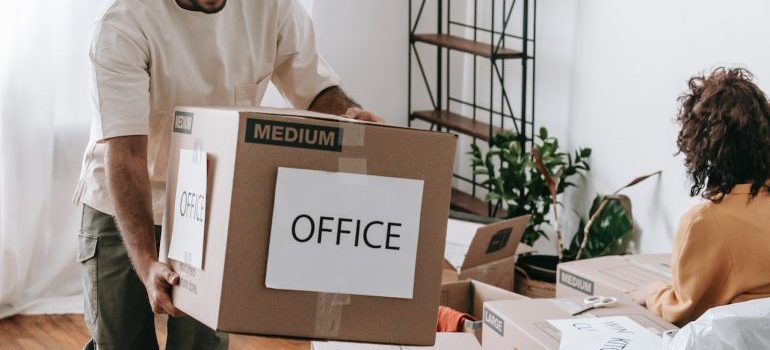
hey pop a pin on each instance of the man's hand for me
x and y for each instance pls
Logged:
(360, 114)
(129, 184)
(158, 280)
(334, 101)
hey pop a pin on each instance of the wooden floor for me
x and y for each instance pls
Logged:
(67, 332)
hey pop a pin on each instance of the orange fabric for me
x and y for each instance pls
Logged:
(451, 320)
(720, 254)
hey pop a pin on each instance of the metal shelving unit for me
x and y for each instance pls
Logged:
(486, 119)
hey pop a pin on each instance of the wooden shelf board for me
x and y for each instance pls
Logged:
(465, 45)
(458, 123)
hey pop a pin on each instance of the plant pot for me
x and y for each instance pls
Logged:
(536, 276)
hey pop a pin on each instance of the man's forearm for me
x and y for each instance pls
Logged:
(129, 185)
(333, 100)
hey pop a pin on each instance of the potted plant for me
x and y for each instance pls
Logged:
(516, 185)
(529, 182)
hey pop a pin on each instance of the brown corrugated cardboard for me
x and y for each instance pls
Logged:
(444, 341)
(611, 275)
(469, 297)
(230, 294)
(521, 324)
(491, 254)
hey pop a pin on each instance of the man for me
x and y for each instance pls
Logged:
(149, 56)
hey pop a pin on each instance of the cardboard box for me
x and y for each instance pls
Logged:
(611, 275)
(251, 153)
(444, 341)
(485, 253)
(469, 297)
(521, 324)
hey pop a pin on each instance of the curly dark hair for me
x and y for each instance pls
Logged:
(725, 135)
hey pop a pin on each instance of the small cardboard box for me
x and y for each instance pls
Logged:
(469, 297)
(611, 275)
(485, 253)
(250, 154)
(444, 341)
(522, 324)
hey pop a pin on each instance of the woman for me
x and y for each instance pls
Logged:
(722, 247)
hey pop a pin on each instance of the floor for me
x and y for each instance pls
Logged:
(67, 332)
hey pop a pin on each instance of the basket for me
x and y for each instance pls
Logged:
(532, 288)
(533, 279)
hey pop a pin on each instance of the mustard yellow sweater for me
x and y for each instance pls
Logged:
(721, 255)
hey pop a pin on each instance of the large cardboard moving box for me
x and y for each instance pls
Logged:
(469, 297)
(444, 341)
(484, 252)
(611, 275)
(315, 226)
(521, 324)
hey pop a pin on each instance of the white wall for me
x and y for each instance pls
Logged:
(631, 60)
(366, 43)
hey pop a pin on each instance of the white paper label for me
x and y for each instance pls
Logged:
(189, 209)
(618, 332)
(344, 233)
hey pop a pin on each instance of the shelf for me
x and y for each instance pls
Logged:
(456, 122)
(465, 45)
(467, 203)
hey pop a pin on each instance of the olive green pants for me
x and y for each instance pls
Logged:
(117, 311)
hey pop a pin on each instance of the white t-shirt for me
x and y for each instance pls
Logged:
(149, 56)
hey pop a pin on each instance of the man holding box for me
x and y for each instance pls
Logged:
(147, 58)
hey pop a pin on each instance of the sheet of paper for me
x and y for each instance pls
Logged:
(617, 332)
(356, 234)
(459, 235)
(190, 209)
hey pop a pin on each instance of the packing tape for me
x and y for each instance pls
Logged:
(198, 148)
(328, 314)
(352, 165)
(353, 134)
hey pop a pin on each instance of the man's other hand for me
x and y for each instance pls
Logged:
(158, 281)
(360, 114)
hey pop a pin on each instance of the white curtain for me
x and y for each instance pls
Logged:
(44, 123)
(44, 105)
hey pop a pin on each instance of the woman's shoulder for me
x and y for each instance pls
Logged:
(699, 218)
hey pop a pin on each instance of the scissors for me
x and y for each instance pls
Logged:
(594, 302)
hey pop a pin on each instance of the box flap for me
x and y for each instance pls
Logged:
(495, 241)
(447, 266)
(295, 113)
(469, 296)
(483, 292)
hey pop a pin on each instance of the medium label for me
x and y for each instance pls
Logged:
(294, 135)
(183, 122)
(576, 282)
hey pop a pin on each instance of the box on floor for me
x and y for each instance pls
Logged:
(611, 275)
(522, 324)
(484, 252)
(469, 297)
(444, 341)
(269, 265)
